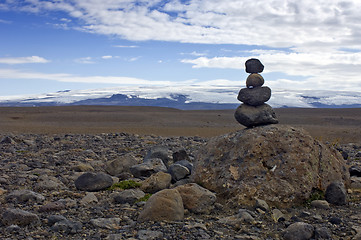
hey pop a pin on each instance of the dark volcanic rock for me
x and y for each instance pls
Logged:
(178, 171)
(22, 196)
(93, 182)
(278, 163)
(127, 196)
(149, 167)
(299, 231)
(336, 193)
(254, 65)
(180, 155)
(251, 116)
(355, 171)
(254, 96)
(158, 152)
(19, 217)
(254, 80)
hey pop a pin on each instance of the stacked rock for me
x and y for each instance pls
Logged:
(254, 111)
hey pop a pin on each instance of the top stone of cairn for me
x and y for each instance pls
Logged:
(254, 65)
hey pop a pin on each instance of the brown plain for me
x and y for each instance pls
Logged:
(334, 125)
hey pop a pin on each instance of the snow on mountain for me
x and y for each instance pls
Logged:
(184, 97)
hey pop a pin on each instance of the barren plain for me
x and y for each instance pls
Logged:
(45, 150)
(333, 125)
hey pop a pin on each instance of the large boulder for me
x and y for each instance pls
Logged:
(277, 163)
(251, 116)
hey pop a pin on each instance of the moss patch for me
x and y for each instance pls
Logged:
(126, 184)
(317, 194)
(145, 198)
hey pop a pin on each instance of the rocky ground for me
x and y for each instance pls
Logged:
(41, 200)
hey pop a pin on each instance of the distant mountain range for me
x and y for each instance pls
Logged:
(184, 97)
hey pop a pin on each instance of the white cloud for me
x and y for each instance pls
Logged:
(107, 57)
(5, 21)
(9, 74)
(85, 60)
(312, 31)
(279, 23)
(133, 59)
(335, 70)
(126, 46)
(23, 60)
(305, 25)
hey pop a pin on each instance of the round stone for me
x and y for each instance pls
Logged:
(254, 96)
(254, 80)
(254, 65)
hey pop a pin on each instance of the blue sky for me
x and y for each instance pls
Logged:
(49, 46)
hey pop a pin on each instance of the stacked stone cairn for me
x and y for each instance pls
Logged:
(254, 111)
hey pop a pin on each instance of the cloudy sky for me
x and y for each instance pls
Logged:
(49, 46)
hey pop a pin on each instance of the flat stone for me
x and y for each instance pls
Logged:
(92, 182)
(251, 116)
(82, 167)
(254, 80)
(254, 96)
(52, 206)
(67, 226)
(149, 167)
(127, 196)
(254, 65)
(149, 235)
(19, 217)
(321, 204)
(108, 223)
(23, 196)
(52, 219)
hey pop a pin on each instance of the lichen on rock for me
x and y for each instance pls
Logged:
(278, 163)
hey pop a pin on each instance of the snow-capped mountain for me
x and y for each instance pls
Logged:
(184, 97)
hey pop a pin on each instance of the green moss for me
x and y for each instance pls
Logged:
(145, 198)
(126, 184)
(317, 194)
